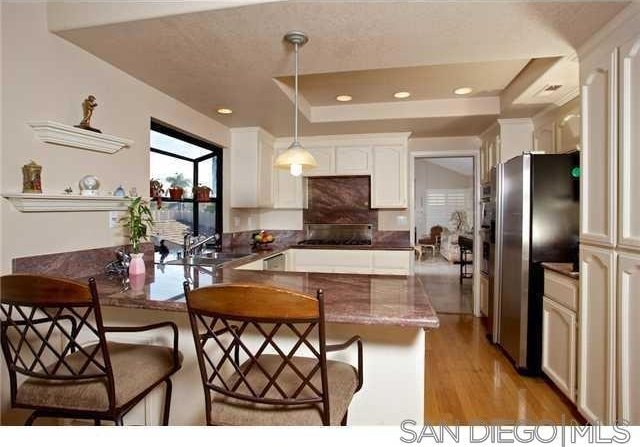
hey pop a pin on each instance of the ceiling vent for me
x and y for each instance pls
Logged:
(549, 89)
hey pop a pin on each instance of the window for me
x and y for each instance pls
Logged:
(182, 160)
(439, 205)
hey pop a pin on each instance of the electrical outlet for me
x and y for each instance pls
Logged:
(114, 219)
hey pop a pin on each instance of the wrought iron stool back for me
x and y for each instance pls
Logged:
(44, 320)
(222, 317)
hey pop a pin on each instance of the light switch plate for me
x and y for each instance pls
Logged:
(114, 219)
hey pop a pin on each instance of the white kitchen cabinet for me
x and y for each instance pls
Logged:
(559, 327)
(544, 138)
(567, 134)
(390, 262)
(252, 171)
(325, 157)
(596, 345)
(353, 160)
(389, 177)
(289, 191)
(629, 216)
(484, 295)
(628, 308)
(599, 147)
(366, 262)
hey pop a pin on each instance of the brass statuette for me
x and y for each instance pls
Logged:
(31, 180)
(87, 111)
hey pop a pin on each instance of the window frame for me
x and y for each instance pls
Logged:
(215, 151)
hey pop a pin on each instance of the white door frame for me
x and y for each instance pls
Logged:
(477, 246)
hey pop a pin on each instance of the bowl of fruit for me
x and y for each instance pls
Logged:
(261, 240)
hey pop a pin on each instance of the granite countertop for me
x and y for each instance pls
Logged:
(359, 299)
(564, 268)
(374, 246)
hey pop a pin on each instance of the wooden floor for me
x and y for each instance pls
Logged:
(469, 380)
(441, 280)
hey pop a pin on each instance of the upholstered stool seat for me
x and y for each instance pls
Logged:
(343, 382)
(60, 362)
(135, 368)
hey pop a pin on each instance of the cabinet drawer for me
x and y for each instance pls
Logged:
(561, 289)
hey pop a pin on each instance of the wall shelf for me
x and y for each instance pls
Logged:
(28, 203)
(65, 135)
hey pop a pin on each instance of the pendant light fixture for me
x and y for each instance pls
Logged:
(296, 158)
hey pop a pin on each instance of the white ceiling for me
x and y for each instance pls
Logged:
(232, 57)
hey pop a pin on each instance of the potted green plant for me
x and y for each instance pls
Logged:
(178, 182)
(202, 193)
(138, 222)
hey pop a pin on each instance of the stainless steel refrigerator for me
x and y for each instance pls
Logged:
(539, 223)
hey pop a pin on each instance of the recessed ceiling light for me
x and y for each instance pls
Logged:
(224, 111)
(343, 98)
(463, 91)
(401, 95)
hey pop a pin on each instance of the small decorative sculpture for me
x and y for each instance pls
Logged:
(31, 178)
(87, 111)
(89, 185)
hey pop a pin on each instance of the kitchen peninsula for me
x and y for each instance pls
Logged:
(391, 313)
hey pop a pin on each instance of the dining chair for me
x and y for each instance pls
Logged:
(263, 357)
(54, 340)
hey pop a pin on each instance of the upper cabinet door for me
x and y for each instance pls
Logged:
(265, 174)
(628, 338)
(326, 161)
(568, 132)
(596, 342)
(629, 219)
(389, 177)
(599, 147)
(288, 190)
(353, 160)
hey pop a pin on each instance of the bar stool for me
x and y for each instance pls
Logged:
(250, 341)
(52, 333)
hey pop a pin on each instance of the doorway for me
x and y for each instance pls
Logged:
(444, 217)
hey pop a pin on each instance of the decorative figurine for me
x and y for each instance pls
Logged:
(68, 190)
(119, 192)
(87, 111)
(31, 180)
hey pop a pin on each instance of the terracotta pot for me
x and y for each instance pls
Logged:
(176, 193)
(203, 193)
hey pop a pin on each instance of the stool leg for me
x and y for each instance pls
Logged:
(32, 418)
(344, 419)
(167, 402)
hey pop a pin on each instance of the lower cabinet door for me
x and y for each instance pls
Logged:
(559, 346)
(629, 338)
(597, 335)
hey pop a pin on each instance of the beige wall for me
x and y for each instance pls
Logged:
(48, 78)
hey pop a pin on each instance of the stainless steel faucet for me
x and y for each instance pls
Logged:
(193, 245)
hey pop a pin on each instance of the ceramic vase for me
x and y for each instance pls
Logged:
(136, 266)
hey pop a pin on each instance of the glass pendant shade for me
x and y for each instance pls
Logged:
(296, 159)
